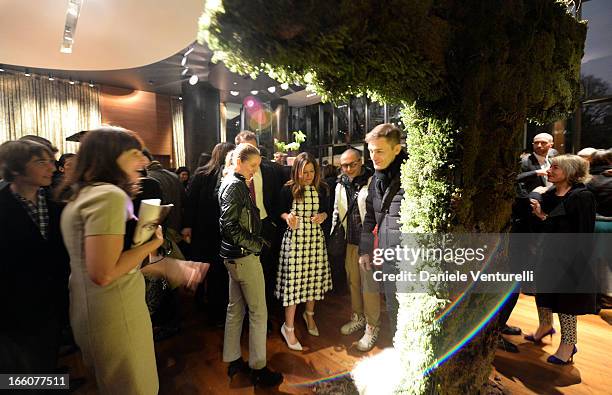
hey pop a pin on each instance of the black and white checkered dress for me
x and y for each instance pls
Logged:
(303, 273)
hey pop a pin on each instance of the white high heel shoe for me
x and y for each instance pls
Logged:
(314, 331)
(297, 346)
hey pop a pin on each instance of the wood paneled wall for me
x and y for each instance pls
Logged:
(146, 113)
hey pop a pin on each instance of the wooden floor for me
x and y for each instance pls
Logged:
(190, 363)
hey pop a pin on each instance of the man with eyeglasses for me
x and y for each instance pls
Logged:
(349, 212)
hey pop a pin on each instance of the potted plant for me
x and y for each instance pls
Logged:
(292, 149)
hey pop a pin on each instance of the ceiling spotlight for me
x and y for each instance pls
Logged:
(254, 92)
(91, 84)
(180, 97)
(185, 70)
(234, 93)
(272, 89)
(193, 79)
(70, 81)
(285, 86)
(72, 16)
(184, 61)
(27, 73)
(190, 50)
(51, 78)
(235, 83)
(1, 69)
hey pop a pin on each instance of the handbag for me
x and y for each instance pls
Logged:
(337, 239)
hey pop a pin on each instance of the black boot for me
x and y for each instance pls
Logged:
(511, 330)
(505, 345)
(265, 377)
(239, 365)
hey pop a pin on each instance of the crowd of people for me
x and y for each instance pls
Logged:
(246, 235)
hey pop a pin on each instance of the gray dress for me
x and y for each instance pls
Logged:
(111, 324)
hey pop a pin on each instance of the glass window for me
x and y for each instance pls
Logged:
(376, 115)
(596, 125)
(596, 69)
(328, 123)
(393, 115)
(358, 115)
(341, 136)
(312, 130)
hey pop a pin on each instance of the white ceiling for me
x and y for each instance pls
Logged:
(110, 34)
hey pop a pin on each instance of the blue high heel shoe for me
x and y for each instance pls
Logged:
(532, 338)
(554, 360)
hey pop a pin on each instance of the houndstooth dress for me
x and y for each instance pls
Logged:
(303, 273)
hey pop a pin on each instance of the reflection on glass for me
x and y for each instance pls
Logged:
(358, 115)
(341, 136)
(312, 129)
(393, 111)
(376, 114)
(328, 123)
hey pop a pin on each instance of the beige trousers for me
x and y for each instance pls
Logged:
(246, 289)
(365, 298)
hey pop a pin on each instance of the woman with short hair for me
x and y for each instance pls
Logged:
(567, 207)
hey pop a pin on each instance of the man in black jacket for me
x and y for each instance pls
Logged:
(383, 206)
(534, 166)
(34, 267)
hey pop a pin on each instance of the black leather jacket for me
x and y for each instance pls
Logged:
(239, 222)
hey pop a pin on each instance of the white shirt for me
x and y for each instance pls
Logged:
(544, 162)
(259, 202)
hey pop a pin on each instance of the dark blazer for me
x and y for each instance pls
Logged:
(564, 263)
(601, 186)
(382, 185)
(272, 178)
(33, 286)
(202, 216)
(527, 179)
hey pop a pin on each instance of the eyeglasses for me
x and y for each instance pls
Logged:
(350, 165)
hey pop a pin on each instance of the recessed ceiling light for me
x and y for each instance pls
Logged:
(190, 50)
(234, 93)
(180, 97)
(272, 89)
(27, 73)
(235, 83)
(285, 86)
(193, 79)
(51, 78)
(311, 94)
(184, 61)
(254, 92)
(71, 82)
(185, 70)
(91, 84)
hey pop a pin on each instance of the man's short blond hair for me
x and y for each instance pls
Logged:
(244, 136)
(387, 131)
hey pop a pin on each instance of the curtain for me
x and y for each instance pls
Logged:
(50, 109)
(178, 133)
